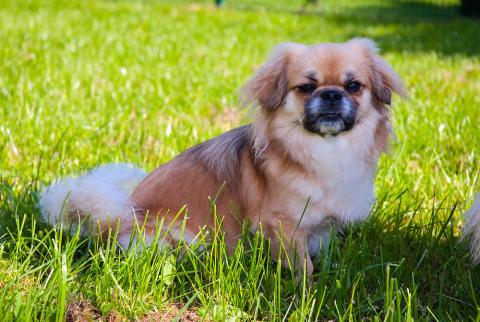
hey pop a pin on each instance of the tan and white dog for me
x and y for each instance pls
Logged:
(308, 159)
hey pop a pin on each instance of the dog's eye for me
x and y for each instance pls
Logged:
(306, 88)
(353, 86)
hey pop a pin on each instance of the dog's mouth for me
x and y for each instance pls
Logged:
(329, 118)
(328, 124)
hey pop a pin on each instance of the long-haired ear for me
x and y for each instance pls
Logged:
(385, 80)
(269, 85)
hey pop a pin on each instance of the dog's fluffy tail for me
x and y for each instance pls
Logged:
(471, 229)
(98, 200)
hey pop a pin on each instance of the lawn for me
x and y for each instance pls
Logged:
(86, 82)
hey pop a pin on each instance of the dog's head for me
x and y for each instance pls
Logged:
(324, 88)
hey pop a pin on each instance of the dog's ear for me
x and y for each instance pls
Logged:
(269, 85)
(385, 80)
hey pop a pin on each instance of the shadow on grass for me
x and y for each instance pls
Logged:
(404, 10)
(410, 26)
(454, 37)
(415, 247)
(18, 203)
(415, 26)
(393, 9)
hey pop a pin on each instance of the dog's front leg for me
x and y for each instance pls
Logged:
(289, 244)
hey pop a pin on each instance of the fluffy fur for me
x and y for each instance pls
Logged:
(101, 195)
(289, 176)
(472, 229)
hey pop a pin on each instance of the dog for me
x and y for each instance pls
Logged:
(307, 161)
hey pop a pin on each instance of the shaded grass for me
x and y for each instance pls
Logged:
(89, 82)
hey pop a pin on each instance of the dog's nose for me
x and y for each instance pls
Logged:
(331, 95)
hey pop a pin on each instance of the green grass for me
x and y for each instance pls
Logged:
(84, 83)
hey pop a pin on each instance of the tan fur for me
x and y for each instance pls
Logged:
(269, 171)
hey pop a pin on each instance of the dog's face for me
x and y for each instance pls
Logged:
(326, 89)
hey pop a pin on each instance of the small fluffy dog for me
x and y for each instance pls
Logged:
(308, 159)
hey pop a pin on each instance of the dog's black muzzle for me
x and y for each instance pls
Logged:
(329, 112)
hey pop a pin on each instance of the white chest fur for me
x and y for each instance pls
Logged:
(339, 176)
(338, 184)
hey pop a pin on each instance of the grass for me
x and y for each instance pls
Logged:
(84, 83)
